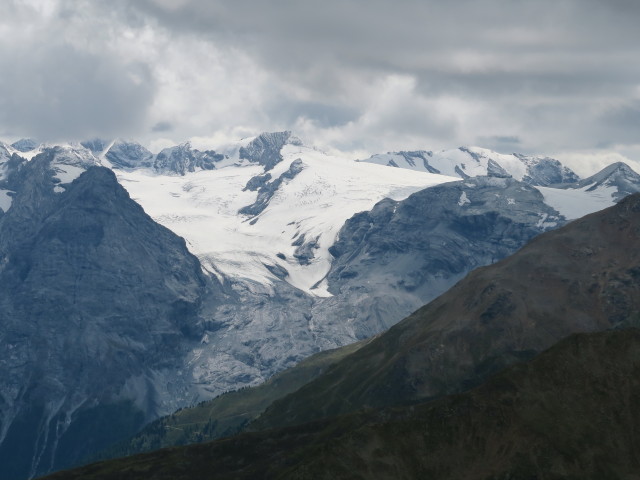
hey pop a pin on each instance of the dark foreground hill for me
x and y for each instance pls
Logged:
(572, 412)
(583, 277)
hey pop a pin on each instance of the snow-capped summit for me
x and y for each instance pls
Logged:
(25, 145)
(619, 177)
(466, 162)
(68, 162)
(183, 158)
(599, 191)
(128, 154)
(97, 146)
(265, 148)
(543, 171)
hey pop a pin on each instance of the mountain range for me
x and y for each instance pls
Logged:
(566, 304)
(286, 251)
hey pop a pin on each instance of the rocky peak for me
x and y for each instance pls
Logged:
(25, 145)
(90, 331)
(618, 176)
(265, 148)
(96, 145)
(183, 158)
(127, 154)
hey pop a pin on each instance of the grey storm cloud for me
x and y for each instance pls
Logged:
(543, 75)
(62, 93)
(575, 52)
(163, 126)
(54, 88)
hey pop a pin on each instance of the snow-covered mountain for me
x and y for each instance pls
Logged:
(300, 250)
(263, 221)
(596, 192)
(562, 188)
(466, 162)
(25, 145)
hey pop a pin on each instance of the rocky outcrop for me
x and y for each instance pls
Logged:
(265, 148)
(618, 178)
(400, 255)
(98, 307)
(123, 154)
(182, 159)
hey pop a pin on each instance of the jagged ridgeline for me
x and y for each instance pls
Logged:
(287, 251)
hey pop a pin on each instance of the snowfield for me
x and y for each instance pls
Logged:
(203, 206)
(576, 203)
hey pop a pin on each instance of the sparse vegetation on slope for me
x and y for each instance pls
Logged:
(572, 412)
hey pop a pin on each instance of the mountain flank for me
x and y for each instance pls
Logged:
(580, 278)
(89, 334)
(572, 412)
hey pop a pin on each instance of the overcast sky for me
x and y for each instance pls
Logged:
(361, 76)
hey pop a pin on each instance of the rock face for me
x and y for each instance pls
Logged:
(543, 171)
(96, 145)
(400, 255)
(265, 149)
(180, 159)
(266, 189)
(25, 145)
(569, 413)
(123, 154)
(229, 413)
(183, 159)
(98, 306)
(583, 277)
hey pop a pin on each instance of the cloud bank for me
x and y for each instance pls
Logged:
(362, 76)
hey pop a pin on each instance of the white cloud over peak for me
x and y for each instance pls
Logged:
(359, 75)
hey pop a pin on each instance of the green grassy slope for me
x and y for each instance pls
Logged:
(572, 412)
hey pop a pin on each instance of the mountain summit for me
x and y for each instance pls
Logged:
(92, 336)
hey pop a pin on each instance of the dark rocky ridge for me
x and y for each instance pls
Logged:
(97, 301)
(400, 255)
(265, 148)
(266, 189)
(183, 159)
(124, 154)
(583, 277)
(572, 412)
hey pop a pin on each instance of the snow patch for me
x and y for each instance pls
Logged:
(576, 203)
(5, 200)
(67, 173)
(463, 199)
